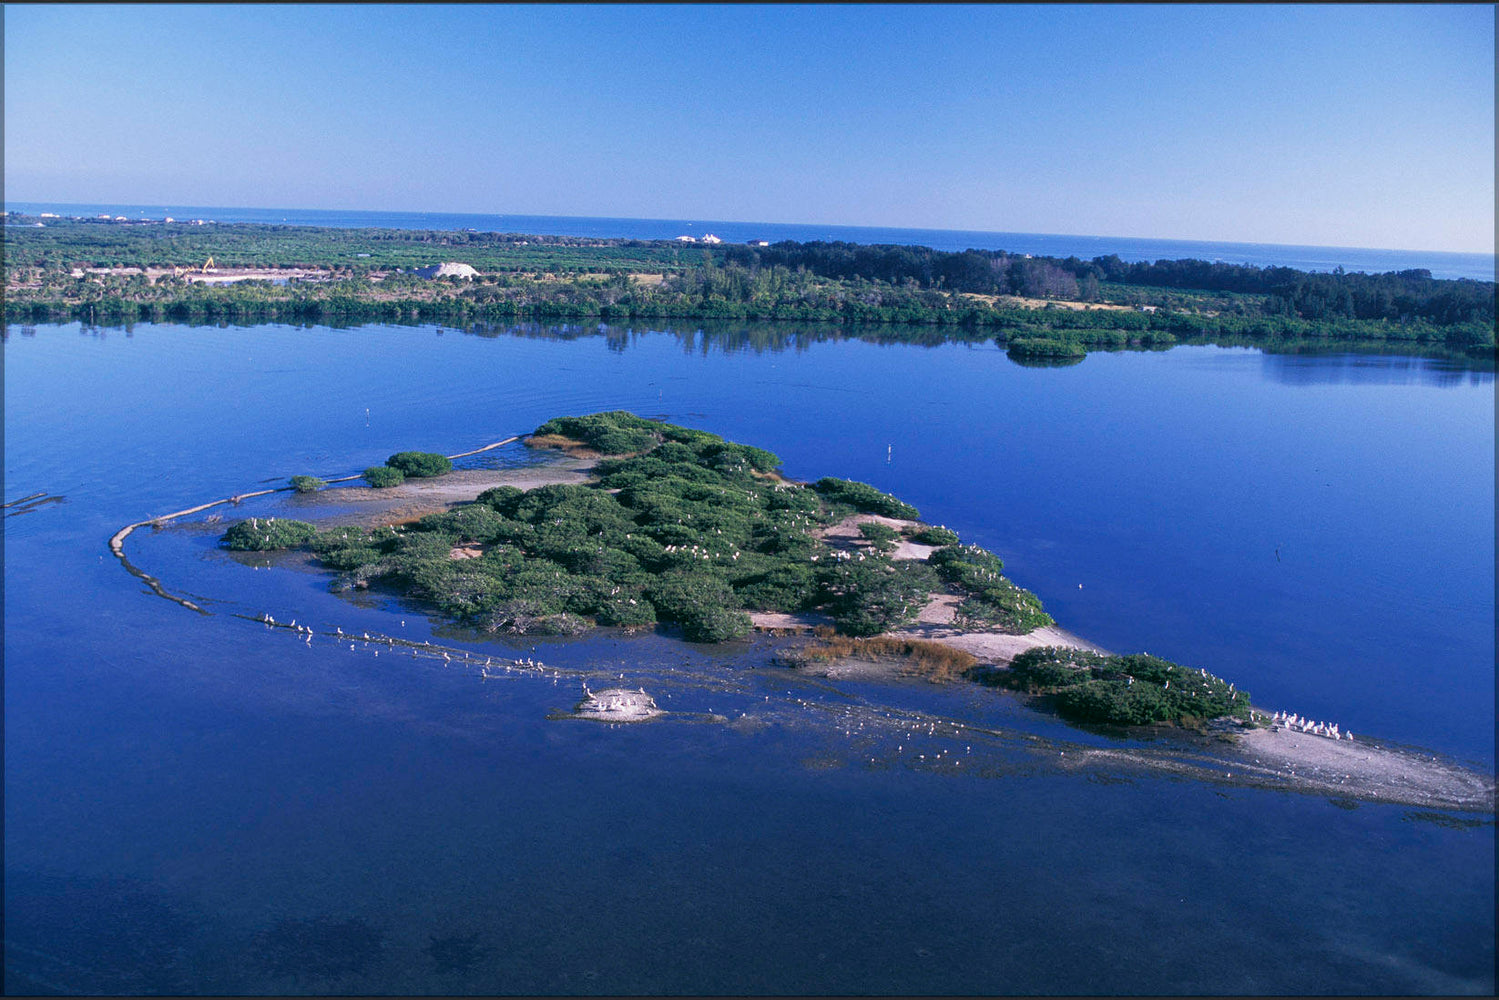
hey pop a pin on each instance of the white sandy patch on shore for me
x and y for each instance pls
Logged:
(416, 498)
(991, 647)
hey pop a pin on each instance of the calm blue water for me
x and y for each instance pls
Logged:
(197, 804)
(1478, 266)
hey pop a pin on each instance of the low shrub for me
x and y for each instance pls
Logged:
(264, 534)
(715, 624)
(863, 497)
(1004, 606)
(524, 616)
(881, 538)
(616, 432)
(935, 536)
(1045, 348)
(307, 484)
(876, 595)
(969, 566)
(420, 464)
(1124, 690)
(383, 476)
(502, 498)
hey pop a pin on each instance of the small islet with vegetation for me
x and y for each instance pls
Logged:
(685, 529)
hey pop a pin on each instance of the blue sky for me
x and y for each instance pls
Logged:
(1333, 125)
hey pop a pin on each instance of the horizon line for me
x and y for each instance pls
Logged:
(738, 222)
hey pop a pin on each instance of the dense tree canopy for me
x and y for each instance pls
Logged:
(681, 527)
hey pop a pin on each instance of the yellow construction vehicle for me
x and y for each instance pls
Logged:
(178, 272)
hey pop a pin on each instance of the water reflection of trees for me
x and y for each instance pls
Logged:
(1369, 368)
(1433, 364)
(730, 336)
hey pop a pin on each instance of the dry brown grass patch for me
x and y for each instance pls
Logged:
(559, 442)
(932, 660)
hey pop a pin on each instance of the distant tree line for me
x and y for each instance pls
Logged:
(1398, 296)
(925, 295)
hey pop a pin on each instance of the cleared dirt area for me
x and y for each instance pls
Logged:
(1001, 301)
(416, 498)
(218, 276)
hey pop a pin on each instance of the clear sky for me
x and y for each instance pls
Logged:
(1335, 125)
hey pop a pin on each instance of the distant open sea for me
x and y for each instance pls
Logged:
(1477, 266)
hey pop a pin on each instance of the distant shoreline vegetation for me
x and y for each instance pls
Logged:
(1052, 308)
